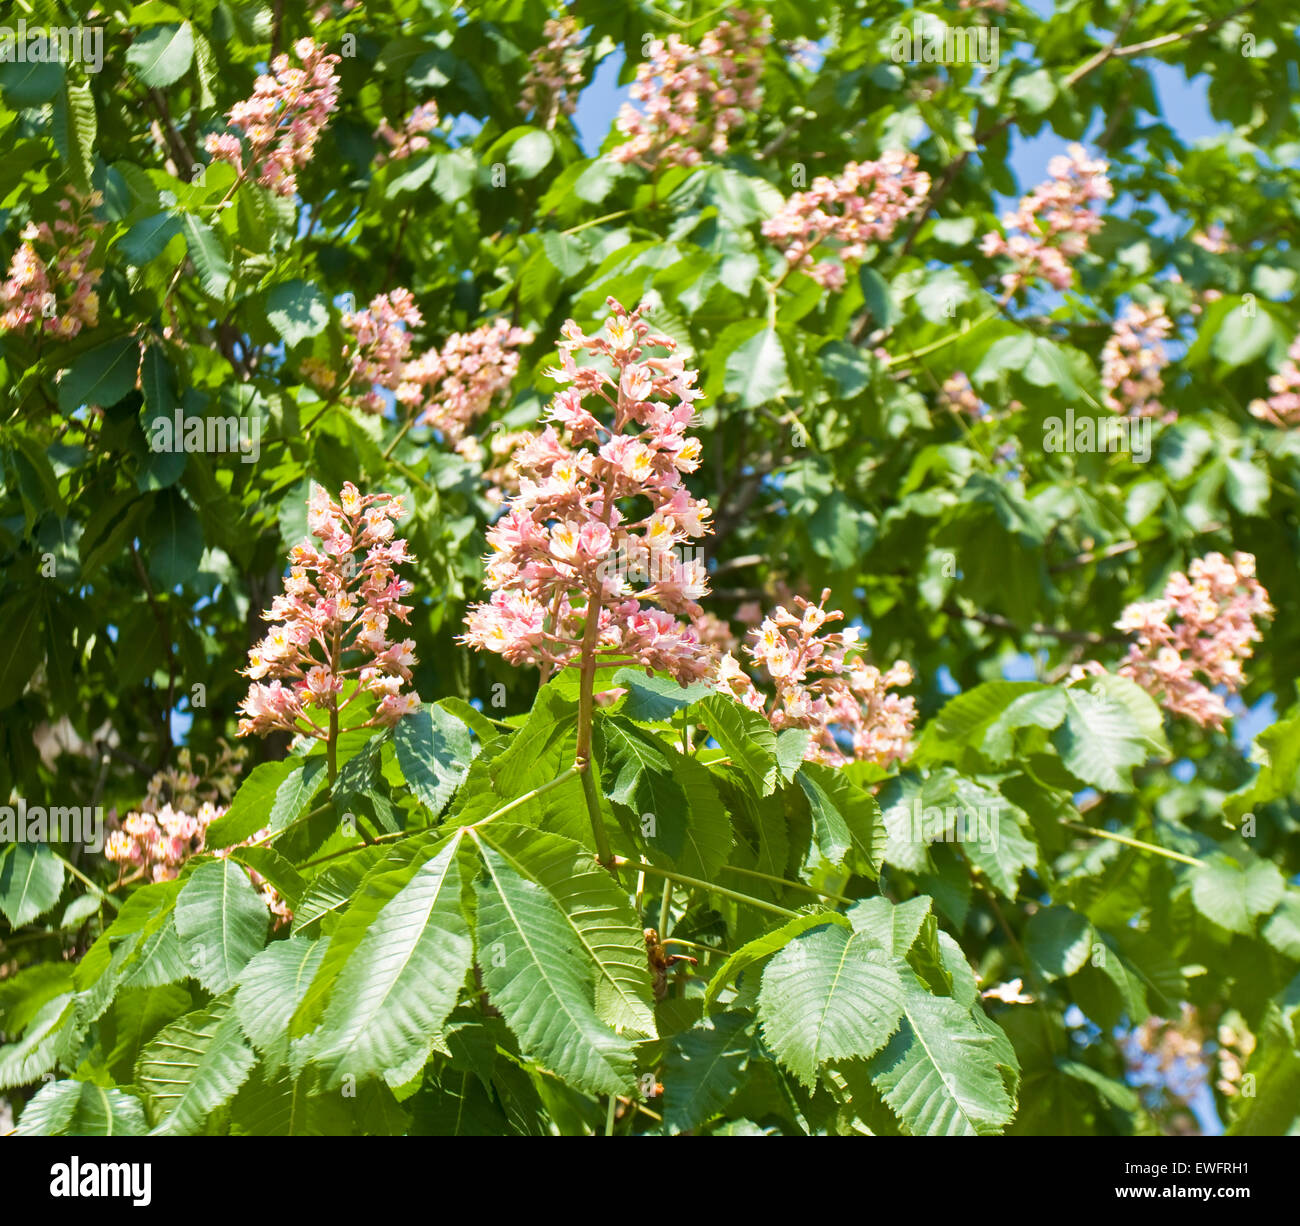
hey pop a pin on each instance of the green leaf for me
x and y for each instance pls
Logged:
(208, 254)
(271, 987)
(1058, 941)
(655, 699)
(252, 806)
(293, 797)
(147, 239)
(531, 152)
(221, 921)
(31, 880)
(192, 1067)
(297, 311)
(746, 736)
(756, 368)
(434, 751)
(830, 994)
(942, 1073)
(703, 1068)
(637, 771)
(1234, 895)
(1100, 741)
(162, 55)
(101, 376)
(598, 914)
(173, 540)
(847, 823)
(82, 1109)
(542, 980)
(761, 948)
(19, 645)
(75, 129)
(398, 985)
(51, 1032)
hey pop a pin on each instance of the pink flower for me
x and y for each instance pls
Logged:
(864, 205)
(567, 569)
(958, 396)
(694, 97)
(283, 119)
(412, 138)
(1282, 408)
(1132, 360)
(823, 684)
(1053, 223)
(1196, 635)
(56, 292)
(334, 608)
(555, 71)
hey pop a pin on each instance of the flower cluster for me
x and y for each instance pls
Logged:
(864, 205)
(157, 842)
(413, 136)
(822, 683)
(958, 396)
(457, 383)
(1282, 408)
(555, 70)
(1053, 222)
(567, 555)
(283, 119)
(334, 607)
(1196, 635)
(380, 345)
(1132, 359)
(1214, 240)
(694, 97)
(55, 288)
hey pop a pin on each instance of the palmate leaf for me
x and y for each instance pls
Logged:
(193, 1066)
(598, 913)
(221, 921)
(394, 992)
(434, 751)
(830, 994)
(704, 1067)
(540, 975)
(82, 1109)
(1234, 895)
(942, 1073)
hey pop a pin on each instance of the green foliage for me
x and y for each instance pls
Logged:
(958, 943)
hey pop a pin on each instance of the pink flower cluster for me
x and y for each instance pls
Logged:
(958, 396)
(413, 137)
(458, 383)
(819, 685)
(381, 345)
(156, 843)
(1196, 635)
(334, 607)
(57, 290)
(1053, 223)
(1132, 359)
(694, 97)
(1214, 240)
(864, 205)
(1282, 408)
(555, 70)
(565, 545)
(447, 388)
(283, 119)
